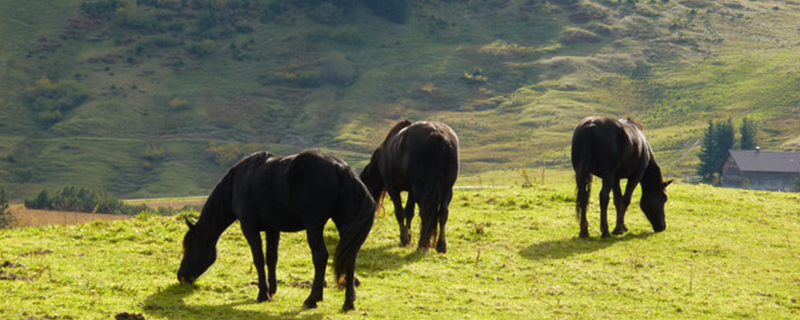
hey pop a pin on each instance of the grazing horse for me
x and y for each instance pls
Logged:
(285, 194)
(421, 158)
(612, 150)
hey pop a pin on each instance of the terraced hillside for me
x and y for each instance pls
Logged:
(156, 98)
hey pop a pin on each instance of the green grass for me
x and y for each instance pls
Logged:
(513, 253)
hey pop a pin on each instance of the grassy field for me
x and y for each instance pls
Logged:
(513, 254)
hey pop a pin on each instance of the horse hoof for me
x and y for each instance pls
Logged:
(263, 298)
(405, 240)
(618, 231)
(310, 304)
(348, 305)
(584, 234)
(441, 248)
(606, 235)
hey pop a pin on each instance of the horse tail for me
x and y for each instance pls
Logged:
(434, 190)
(360, 214)
(581, 162)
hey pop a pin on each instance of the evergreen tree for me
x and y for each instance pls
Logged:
(707, 151)
(717, 141)
(747, 135)
(6, 218)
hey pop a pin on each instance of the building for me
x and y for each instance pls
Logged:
(761, 170)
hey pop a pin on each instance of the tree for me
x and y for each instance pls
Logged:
(747, 135)
(6, 218)
(717, 141)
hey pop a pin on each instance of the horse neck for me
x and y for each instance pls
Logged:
(652, 180)
(216, 215)
(373, 180)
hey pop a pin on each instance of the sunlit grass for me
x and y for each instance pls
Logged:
(513, 253)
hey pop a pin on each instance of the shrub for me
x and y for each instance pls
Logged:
(179, 104)
(201, 49)
(135, 17)
(393, 10)
(347, 35)
(49, 101)
(100, 8)
(338, 70)
(81, 200)
(226, 154)
(327, 13)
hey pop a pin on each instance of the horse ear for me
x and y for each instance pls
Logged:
(188, 223)
(666, 184)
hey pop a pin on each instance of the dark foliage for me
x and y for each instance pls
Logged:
(748, 133)
(82, 200)
(717, 141)
(5, 215)
(393, 10)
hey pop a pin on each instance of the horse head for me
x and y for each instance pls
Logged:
(652, 204)
(197, 256)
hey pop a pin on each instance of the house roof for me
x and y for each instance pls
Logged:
(766, 161)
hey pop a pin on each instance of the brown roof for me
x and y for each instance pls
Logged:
(766, 161)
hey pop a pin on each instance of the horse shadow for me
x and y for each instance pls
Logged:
(387, 257)
(565, 248)
(168, 303)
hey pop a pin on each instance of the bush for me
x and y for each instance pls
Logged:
(80, 200)
(347, 35)
(338, 70)
(393, 10)
(327, 13)
(100, 8)
(49, 101)
(135, 17)
(226, 154)
(179, 104)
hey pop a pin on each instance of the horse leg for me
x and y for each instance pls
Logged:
(625, 202)
(405, 237)
(273, 237)
(444, 211)
(319, 254)
(583, 181)
(608, 184)
(619, 204)
(410, 206)
(254, 240)
(350, 289)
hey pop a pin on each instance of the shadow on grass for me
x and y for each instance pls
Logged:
(168, 303)
(564, 248)
(388, 257)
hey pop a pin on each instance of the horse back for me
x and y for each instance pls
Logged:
(604, 145)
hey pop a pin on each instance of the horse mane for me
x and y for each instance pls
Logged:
(635, 123)
(395, 129)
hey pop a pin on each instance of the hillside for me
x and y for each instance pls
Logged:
(157, 98)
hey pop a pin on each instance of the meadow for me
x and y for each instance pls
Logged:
(513, 253)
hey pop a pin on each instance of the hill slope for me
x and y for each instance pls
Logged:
(165, 94)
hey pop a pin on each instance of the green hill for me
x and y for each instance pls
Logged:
(157, 97)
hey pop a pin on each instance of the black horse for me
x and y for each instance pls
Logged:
(421, 158)
(285, 194)
(612, 150)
